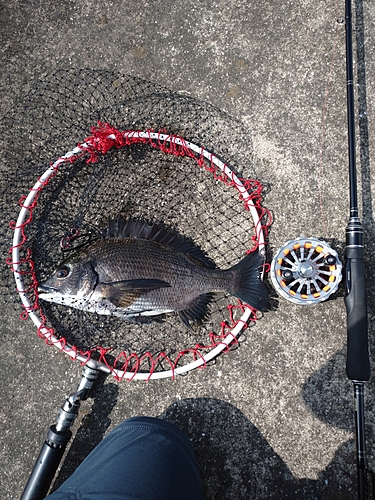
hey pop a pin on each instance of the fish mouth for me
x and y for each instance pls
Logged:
(46, 289)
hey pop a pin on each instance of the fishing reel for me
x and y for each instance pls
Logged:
(306, 271)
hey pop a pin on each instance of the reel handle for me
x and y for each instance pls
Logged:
(357, 362)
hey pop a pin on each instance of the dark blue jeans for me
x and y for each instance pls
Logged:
(142, 458)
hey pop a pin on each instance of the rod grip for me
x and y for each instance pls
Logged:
(357, 362)
(46, 464)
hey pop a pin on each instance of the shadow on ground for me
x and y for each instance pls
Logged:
(244, 465)
(234, 458)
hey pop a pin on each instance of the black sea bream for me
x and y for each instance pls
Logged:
(137, 271)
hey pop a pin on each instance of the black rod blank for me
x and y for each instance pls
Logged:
(350, 110)
(358, 362)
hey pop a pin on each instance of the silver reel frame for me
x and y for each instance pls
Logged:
(306, 271)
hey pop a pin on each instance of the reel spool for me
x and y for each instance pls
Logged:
(306, 271)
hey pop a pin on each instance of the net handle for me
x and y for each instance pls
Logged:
(18, 239)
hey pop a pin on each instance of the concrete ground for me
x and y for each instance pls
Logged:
(273, 418)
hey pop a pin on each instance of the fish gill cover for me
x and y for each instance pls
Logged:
(142, 179)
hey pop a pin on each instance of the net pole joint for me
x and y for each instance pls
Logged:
(69, 410)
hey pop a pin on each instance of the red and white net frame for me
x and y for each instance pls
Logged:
(103, 138)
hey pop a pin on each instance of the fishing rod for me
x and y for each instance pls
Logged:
(307, 271)
(357, 363)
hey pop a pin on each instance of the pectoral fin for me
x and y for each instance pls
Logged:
(124, 293)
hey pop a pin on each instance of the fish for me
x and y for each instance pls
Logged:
(140, 271)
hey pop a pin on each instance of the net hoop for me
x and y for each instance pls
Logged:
(25, 217)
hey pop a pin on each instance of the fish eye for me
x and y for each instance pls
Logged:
(63, 272)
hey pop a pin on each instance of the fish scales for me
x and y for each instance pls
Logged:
(141, 259)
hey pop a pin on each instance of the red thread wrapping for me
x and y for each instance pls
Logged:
(103, 138)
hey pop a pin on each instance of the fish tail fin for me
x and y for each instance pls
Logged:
(247, 284)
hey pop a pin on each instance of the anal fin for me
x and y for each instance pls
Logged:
(197, 312)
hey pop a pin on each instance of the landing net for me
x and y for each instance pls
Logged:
(153, 155)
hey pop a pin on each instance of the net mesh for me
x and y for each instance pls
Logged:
(147, 179)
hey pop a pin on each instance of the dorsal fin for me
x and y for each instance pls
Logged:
(133, 228)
